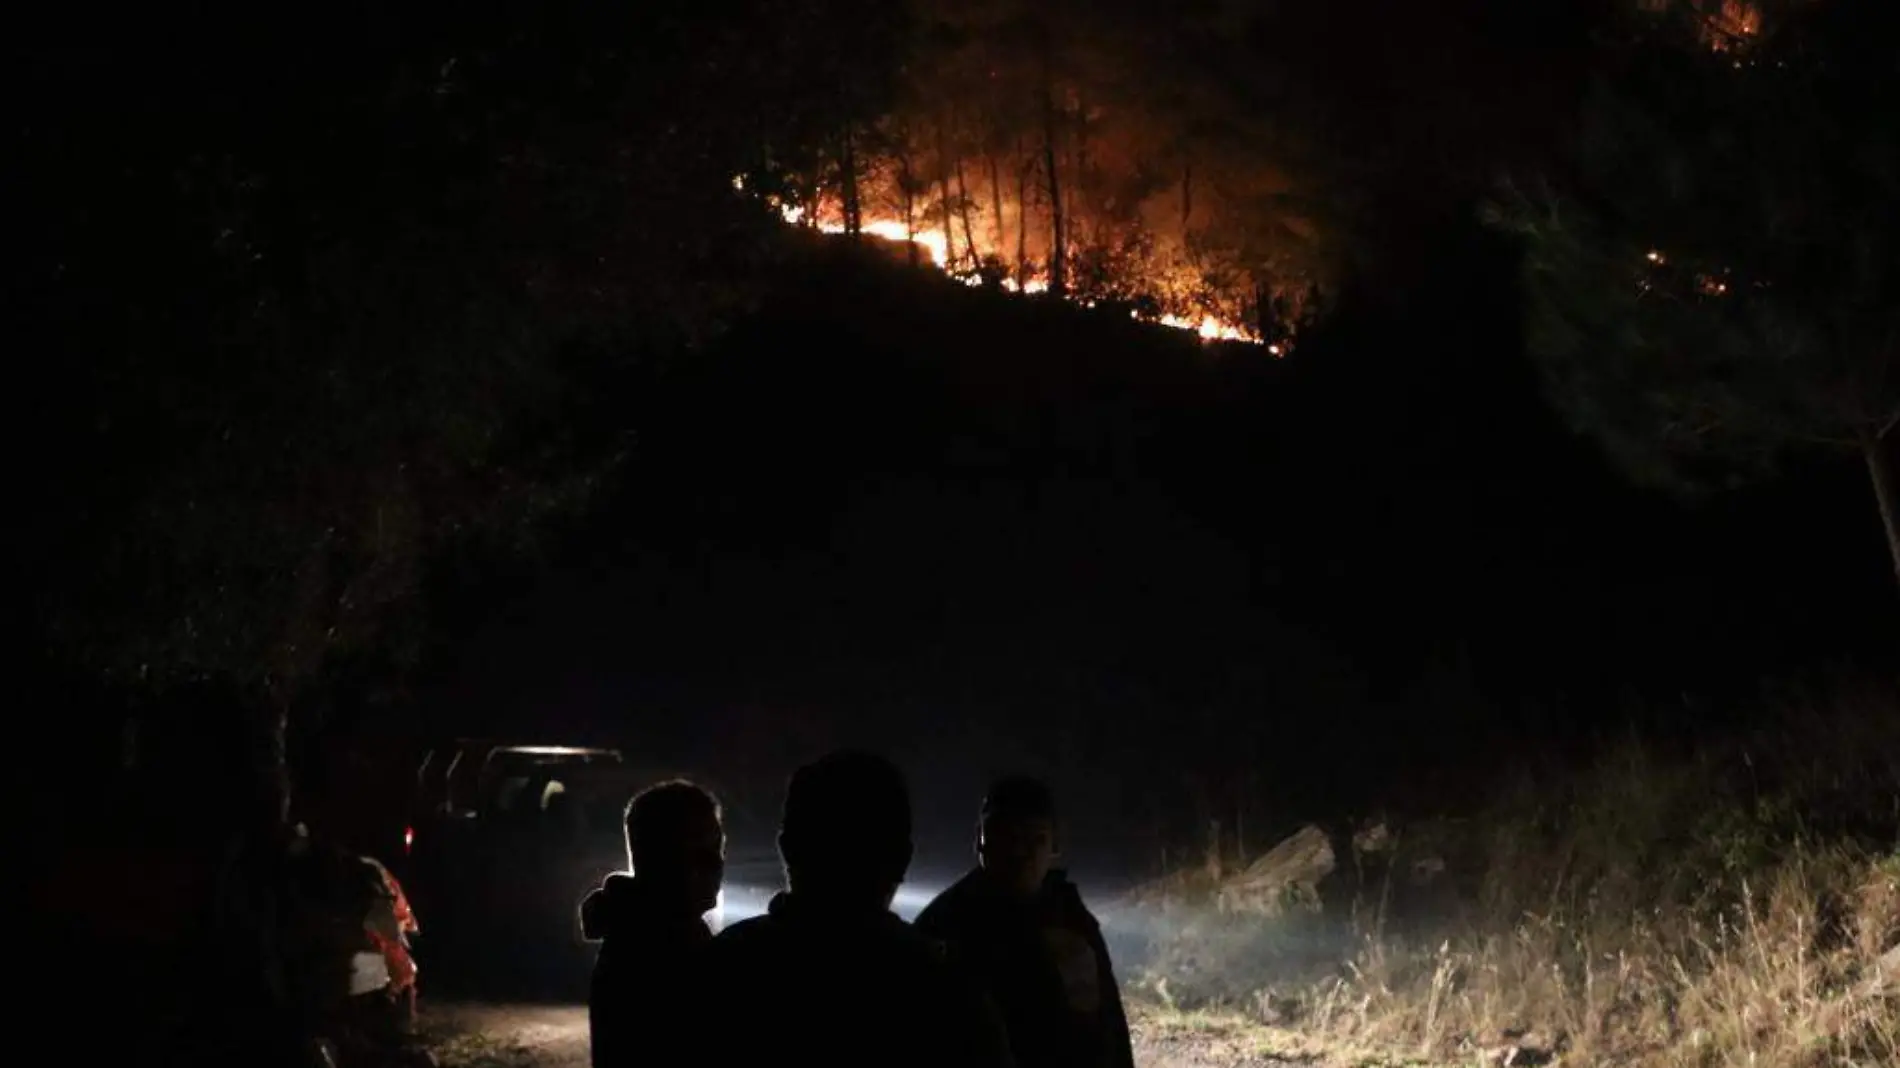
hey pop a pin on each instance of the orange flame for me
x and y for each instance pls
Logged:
(936, 245)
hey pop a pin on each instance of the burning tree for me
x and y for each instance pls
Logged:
(1103, 156)
(1715, 271)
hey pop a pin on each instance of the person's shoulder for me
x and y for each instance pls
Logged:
(744, 948)
(909, 947)
(892, 930)
(949, 909)
(592, 910)
(746, 934)
(1068, 897)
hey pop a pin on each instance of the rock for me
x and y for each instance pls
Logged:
(1285, 879)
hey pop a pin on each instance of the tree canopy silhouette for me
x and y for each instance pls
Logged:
(1712, 271)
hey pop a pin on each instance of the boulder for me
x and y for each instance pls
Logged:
(1285, 879)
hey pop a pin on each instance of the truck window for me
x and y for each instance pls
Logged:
(508, 795)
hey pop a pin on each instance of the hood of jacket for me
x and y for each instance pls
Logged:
(623, 907)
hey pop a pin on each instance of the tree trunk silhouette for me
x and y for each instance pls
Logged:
(1022, 220)
(943, 193)
(1877, 448)
(1058, 239)
(1187, 197)
(848, 182)
(1078, 174)
(963, 209)
(996, 203)
(907, 185)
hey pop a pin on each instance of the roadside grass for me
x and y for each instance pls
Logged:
(1734, 903)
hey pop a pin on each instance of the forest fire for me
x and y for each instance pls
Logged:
(936, 245)
(1016, 152)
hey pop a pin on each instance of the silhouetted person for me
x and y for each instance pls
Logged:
(652, 930)
(829, 975)
(1020, 925)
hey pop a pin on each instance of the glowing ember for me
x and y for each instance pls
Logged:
(1734, 23)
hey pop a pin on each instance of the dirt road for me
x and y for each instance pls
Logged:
(488, 1035)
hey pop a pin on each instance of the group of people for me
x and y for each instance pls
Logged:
(1005, 969)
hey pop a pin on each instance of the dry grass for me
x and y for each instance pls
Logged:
(1740, 906)
(1774, 980)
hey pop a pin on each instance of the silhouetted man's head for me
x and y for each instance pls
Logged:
(845, 835)
(1016, 834)
(677, 844)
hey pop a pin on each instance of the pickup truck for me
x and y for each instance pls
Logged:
(503, 842)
